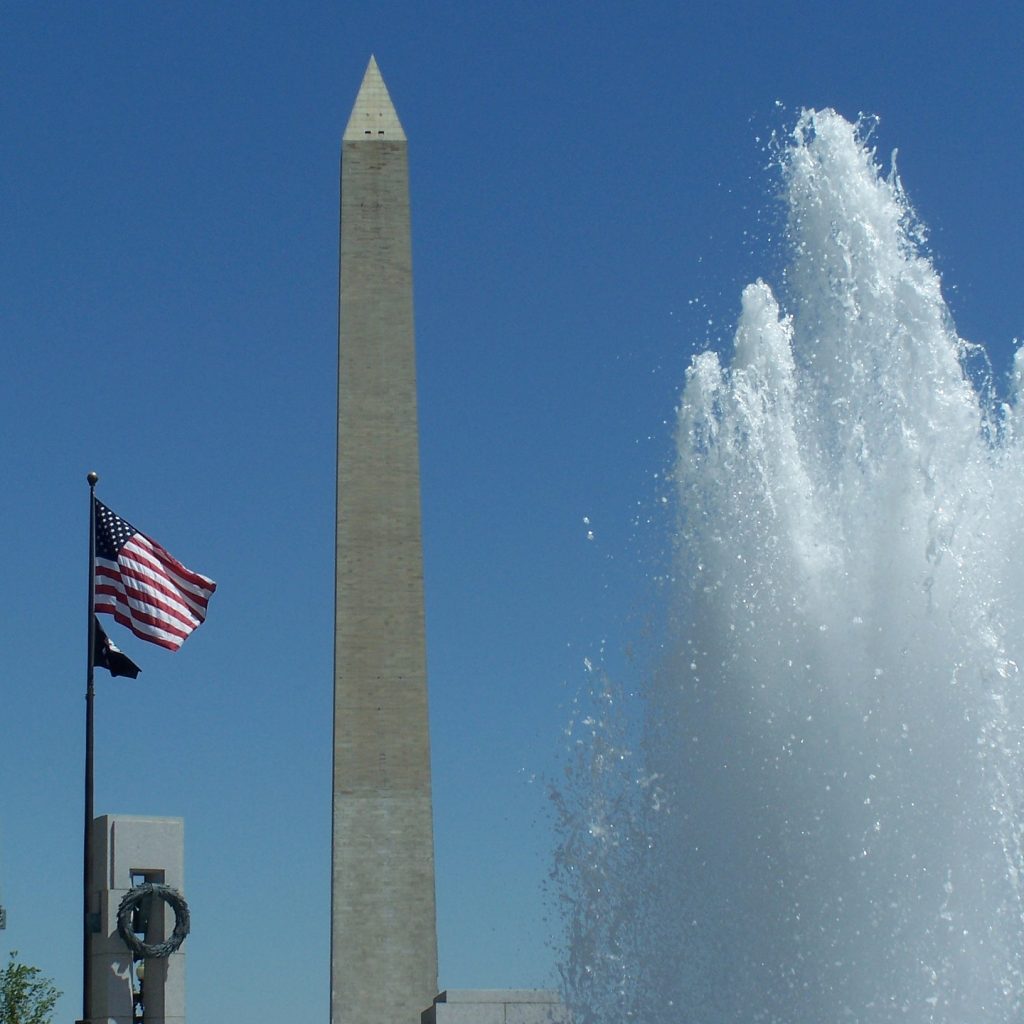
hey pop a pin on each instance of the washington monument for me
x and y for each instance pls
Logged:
(383, 923)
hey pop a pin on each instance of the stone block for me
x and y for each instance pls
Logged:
(497, 1006)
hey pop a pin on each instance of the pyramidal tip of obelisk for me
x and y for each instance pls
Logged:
(373, 116)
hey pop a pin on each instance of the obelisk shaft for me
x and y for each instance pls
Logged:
(384, 937)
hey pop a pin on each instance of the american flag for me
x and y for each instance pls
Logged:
(145, 587)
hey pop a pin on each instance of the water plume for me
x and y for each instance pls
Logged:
(817, 818)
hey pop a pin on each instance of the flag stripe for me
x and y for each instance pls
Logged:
(172, 643)
(131, 577)
(140, 609)
(144, 581)
(186, 580)
(201, 583)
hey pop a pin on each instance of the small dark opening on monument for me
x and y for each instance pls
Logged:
(142, 912)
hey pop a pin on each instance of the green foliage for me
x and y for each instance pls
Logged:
(26, 995)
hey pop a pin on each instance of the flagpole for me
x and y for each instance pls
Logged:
(90, 694)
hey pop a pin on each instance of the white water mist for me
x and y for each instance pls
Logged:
(819, 819)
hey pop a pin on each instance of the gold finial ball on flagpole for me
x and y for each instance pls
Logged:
(92, 478)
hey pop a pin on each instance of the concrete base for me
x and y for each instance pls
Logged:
(497, 1006)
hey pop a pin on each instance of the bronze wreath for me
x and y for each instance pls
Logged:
(132, 898)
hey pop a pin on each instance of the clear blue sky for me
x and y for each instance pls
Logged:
(589, 193)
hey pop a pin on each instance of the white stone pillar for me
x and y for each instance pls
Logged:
(127, 848)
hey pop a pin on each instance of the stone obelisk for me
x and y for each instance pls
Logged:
(383, 924)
